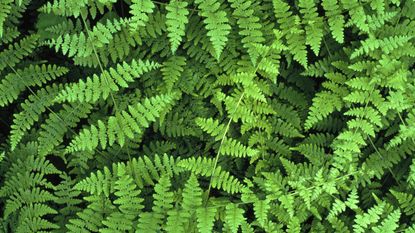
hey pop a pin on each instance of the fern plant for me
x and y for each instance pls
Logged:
(207, 116)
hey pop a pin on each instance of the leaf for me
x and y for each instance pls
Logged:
(234, 217)
(217, 24)
(139, 10)
(176, 20)
(261, 208)
(205, 219)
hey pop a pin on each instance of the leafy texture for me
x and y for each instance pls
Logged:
(207, 116)
(176, 21)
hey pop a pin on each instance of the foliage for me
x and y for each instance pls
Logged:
(207, 116)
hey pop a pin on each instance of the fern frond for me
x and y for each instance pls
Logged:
(362, 221)
(31, 218)
(17, 51)
(366, 127)
(109, 81)
(163, 199)
(324, 104)
(76, 8)
(117, 50)
(249, 24)
(390, 224)
(293, 33)
(125, 124)
(128, 200)
(368, 113)
(213, 127)
(217, 24)
(55, 127)
(31, 170)
(176, 125)
(32, 108)
(378, 21)
(357, 14)
(235, 148)
(176, 20)
(117, 222)
(312, 152)
(146, 170)
(234, 217)
(5, 8)
(261, 208)
(9, 34)
(205, 219)
(192, 197)
(83, 44)
(25, 197)
(314, 24)
(140, 9)
(335, 19)
(175, 221)
(406, 202)
(90, 219)
(220, 179)
(147, 222)
(172, 70)
(14, 83)
(387, 45)
(406, 131)
(143, 170)
(68, 198)
(97, 183)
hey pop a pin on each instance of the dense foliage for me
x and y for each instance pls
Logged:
(207, 116)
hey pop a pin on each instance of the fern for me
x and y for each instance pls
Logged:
(405, 132)
(84, 44)
(17, 51)
(14, 83)
(109, 81)
(139, 11)
(261, 208)
(314, 28)
(175, 222)
(294, 35)
(249, 25)
(75, 8)
(90, 219)
(221, 179)
(5, 7)
(27, 202)
(192, 197)
(36, 104)
(128, 201)
(387, 45)
(207, 116)
(172, 70)
(390, 224)
(364, 220)
(213, 127)
(217, 24)
(144, 171)
(205, 219)
(163, 199)
(234, 217)
(236, 149)
(322, 107)
(9, 34)
(123, 125)
(53, 130)
(335, 19)
(176, 20)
